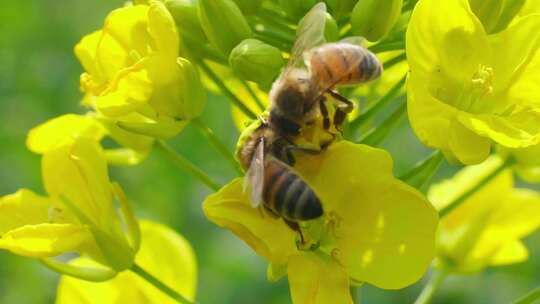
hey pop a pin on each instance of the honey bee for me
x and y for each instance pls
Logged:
(298, 100)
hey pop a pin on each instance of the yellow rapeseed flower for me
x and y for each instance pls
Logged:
(164, 254)
(486, 230)
(78, 215)
(376, 229)
(134, 75)
(468, 90)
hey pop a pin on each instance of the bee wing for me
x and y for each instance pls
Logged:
(309, 34)
(254, 179)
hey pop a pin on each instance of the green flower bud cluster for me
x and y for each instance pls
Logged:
(256, 61)
(495, 15)
(374, 19)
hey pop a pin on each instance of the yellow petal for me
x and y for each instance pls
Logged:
(517, 216)
(23, 207)
(430, 118)
(85, 51)
(317, 279)
(130, 90)
(518, 130)
(512, 61)
(162, 29)
(124, 32)
(446, 191)
(45, 240)
(451, 43)
(140, 143)
(505, 214)
(61, 129)
(163, 128)
(78, 172)
(384, 229)
(469, 147)
(230, 208)
(164, 253)
(510, 253)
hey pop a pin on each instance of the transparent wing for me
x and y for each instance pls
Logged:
(309, 34)
(254, 179)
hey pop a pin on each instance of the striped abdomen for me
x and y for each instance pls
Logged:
(342, 63)
(287, 195)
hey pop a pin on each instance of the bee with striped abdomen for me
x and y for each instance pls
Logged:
(299, 99)
(272, 182)
(314, 70)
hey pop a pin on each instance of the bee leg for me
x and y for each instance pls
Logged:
(295, 227)
(339, 118)
(324, 113)
(349, 106)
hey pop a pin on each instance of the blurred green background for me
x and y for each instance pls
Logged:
(39, 80)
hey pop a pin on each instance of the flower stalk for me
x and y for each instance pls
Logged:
(186, 165)
(461, 199)
(529, 298)
(138, 270)
(375, 136)
(216, 142)
(380, 104)
(423, 171)
(226, 91)
(431, 287)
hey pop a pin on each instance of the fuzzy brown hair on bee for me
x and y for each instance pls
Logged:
(299, 101)
(272, 182)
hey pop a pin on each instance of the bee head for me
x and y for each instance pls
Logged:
(290, 94)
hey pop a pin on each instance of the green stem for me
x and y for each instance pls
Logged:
(253, 95)
(278, 36)
(282, 46)
(375, 136)
(431, 287)
(205, 50)
(270, 19)
(226, 91)
(185, 164)
(218, 145)
(529, 298)
(461, 199)
(387, 46)
(391, 62)
(271, 13)
(360, 120)
(158, 284)
(423, 171)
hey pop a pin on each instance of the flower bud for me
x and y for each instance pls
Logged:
(331, 31)
(248, 7)
(193, 92)
(296, 9)
(487, 11)
(223, 23)
(184, 13)
(373, 19)
(340, 7)
(256, 61)
(509, 11)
